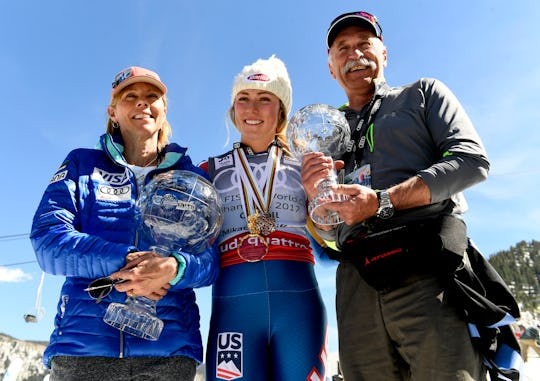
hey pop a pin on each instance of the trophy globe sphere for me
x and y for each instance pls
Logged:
(180, 210)
(318, 128)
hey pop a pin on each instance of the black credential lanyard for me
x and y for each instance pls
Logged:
(364, 129)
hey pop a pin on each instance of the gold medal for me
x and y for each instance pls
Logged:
(252, 224)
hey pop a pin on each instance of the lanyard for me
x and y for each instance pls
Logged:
(364, 129)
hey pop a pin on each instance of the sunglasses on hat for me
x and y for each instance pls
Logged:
(135, 74)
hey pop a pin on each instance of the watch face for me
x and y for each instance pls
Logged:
(385, 212)
(386, 209)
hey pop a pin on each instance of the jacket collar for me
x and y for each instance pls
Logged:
(113, 145)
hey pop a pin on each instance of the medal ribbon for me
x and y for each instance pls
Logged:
(250, 191)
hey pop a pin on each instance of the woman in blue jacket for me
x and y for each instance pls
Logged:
(86, 227)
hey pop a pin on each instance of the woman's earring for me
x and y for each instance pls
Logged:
(115, 124)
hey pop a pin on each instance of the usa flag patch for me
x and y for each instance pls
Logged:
(229, 356)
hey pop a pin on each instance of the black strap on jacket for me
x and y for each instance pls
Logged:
(489, 308)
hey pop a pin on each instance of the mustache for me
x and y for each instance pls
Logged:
(359, 62)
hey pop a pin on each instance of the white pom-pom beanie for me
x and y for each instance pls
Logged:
(269, 75)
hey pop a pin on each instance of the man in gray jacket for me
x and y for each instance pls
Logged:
(415, 150)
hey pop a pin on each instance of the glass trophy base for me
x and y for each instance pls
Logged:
(135, 317)
(325, 217)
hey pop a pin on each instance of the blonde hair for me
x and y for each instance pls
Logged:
(165, 129)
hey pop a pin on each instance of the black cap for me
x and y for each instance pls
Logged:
(363, 19)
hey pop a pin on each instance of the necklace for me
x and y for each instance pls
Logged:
(146, 165)
(151, 161)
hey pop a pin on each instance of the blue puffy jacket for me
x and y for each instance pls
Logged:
(83, 229)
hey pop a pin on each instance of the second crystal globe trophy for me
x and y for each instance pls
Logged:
(320, 128)
(177, 210)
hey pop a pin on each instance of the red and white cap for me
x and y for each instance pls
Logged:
(265, 74)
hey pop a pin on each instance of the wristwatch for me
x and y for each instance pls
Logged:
(386, 209)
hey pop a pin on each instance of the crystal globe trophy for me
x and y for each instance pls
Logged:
(177, 210)
(320, 128)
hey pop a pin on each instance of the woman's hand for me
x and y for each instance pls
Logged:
(147, 273)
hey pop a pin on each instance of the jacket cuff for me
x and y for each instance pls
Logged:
(181, 268)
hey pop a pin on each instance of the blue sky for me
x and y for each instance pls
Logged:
(59, 59)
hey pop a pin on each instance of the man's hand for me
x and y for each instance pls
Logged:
(361, 204)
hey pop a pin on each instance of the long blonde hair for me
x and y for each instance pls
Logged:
(164, 132)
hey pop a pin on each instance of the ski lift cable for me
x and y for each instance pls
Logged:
(11, 237)
(17, 264)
